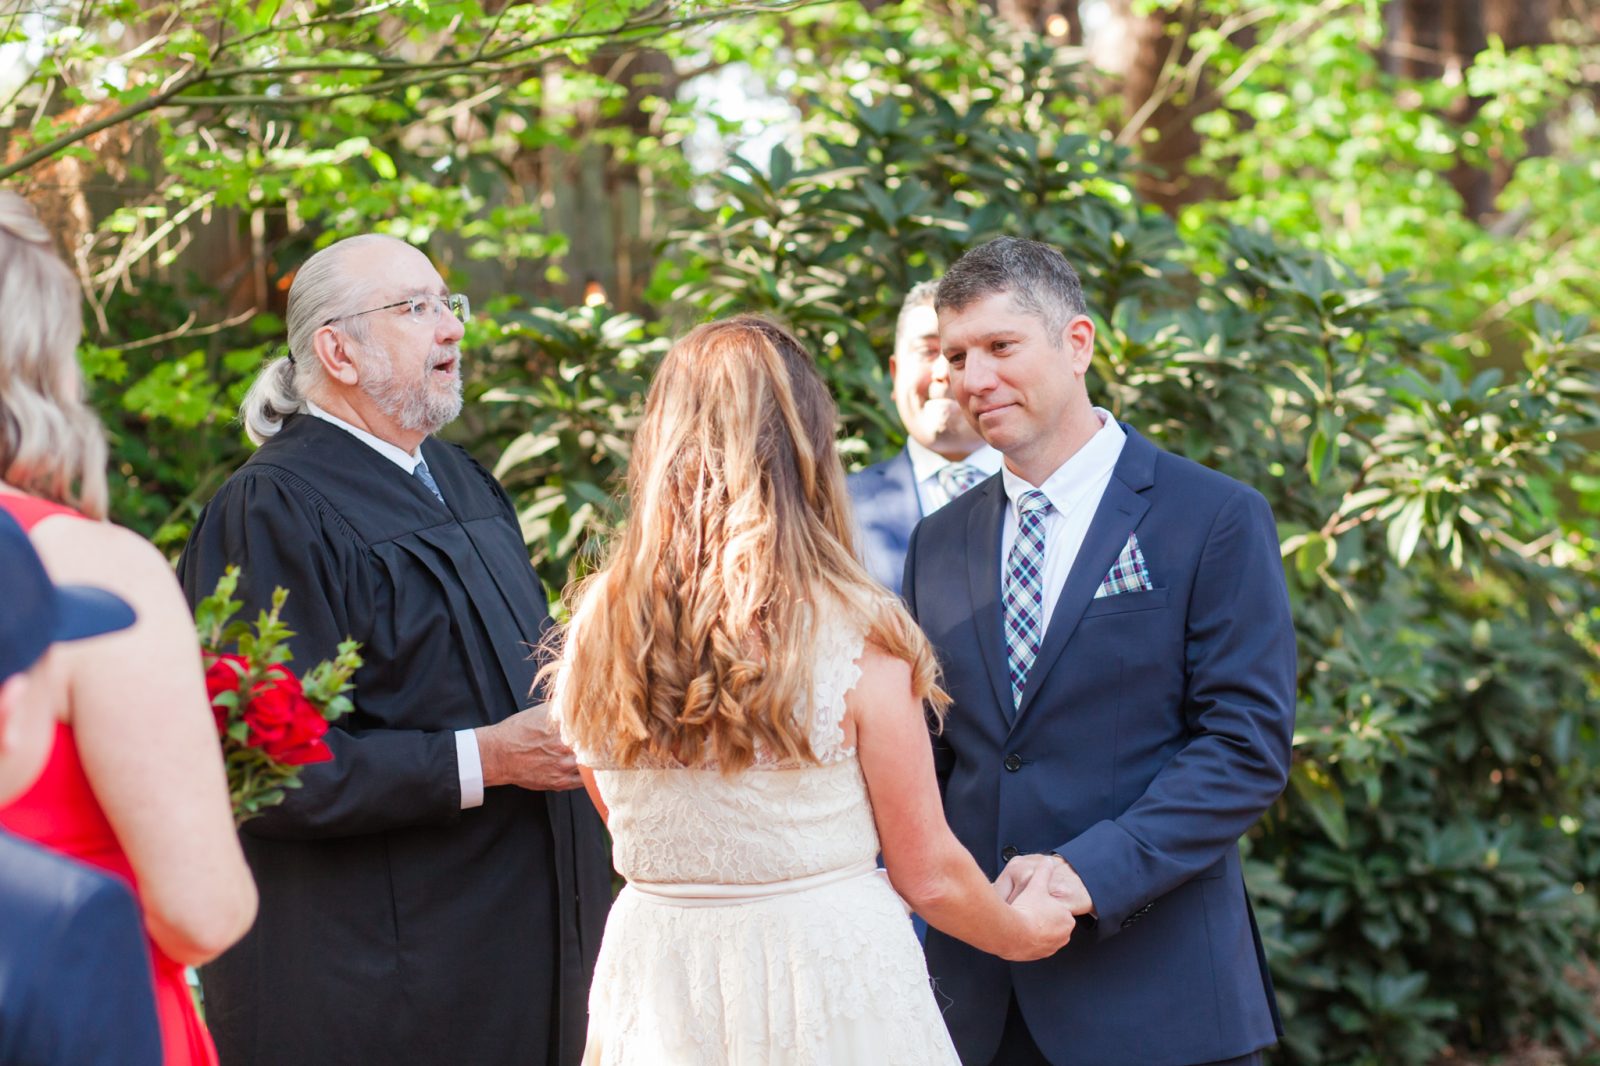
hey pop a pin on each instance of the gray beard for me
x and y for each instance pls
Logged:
(419, 409)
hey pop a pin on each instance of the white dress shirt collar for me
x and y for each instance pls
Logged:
(1086, 468)
(395, 454)
(926, 463)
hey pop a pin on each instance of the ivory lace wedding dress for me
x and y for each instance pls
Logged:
(755, 929)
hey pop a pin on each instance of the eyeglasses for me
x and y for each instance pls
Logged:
(424, 308)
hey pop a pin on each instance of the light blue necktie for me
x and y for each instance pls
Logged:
(1023, 595)
(424, 475)
(957, 478)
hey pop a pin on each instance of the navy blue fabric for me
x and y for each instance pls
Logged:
(1017, 1047)
(74, 970)
(1153, 731)
(884, 500)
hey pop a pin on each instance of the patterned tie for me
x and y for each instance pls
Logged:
(424, 475)
(957, 478)
(1023, 596)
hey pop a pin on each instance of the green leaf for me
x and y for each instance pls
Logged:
(1323, 798)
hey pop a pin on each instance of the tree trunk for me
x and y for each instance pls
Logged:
(1437, 40)
(608, 206)
(1153, 48)
(1522, 24)
(1054, 18)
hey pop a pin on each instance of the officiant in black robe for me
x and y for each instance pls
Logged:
(415, 908)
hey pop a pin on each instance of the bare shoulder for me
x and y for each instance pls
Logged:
(81, 551)
(885, 682)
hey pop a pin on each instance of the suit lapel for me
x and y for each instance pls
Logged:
(901, 477)
(983, 581)
(1120, 510)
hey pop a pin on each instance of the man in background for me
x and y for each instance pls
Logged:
(943, 456)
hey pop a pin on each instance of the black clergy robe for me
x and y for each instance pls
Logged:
(394, 926)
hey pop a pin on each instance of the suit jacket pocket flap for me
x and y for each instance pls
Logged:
(1127, 601)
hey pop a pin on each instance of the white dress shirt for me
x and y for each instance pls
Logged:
(926, 464)
(469, 764)
(1074, 491)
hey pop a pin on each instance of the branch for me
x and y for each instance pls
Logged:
(109, 276)
(297, 27)
(1166, 84)
(16, 93)
(632, 31)
(66, 140)
(185, 331)
(1159, 94)
(494, 30)
(1261, 54)
(428, 71)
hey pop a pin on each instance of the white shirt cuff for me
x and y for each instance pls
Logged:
(470, 766)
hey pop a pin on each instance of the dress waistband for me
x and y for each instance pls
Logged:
(692, 894)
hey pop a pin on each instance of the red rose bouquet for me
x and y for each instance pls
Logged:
(270, 722)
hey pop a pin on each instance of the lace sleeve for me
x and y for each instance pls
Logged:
(840, 643)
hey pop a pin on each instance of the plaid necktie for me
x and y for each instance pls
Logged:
(957, 478)
(424, 475)
(1023, 596)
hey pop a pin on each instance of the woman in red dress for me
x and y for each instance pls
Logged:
(135, 783)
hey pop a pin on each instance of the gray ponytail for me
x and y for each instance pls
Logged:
(273, 396)
(321, 291)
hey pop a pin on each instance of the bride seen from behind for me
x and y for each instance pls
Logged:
(748, 707)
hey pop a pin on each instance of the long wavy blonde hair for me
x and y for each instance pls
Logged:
(51, 443)
(694, 642)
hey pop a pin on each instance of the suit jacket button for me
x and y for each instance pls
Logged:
(1013, 762)
(1009, 852)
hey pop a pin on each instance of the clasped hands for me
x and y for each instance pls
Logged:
(1050, 893)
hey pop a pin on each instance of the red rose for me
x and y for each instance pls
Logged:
(224, 673)
(283, 723)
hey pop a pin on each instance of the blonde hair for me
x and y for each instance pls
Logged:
(51, 441)
(694, 641)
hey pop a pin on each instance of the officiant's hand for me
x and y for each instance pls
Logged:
(524, 751)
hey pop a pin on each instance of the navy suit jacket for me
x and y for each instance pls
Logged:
(75, 985)
(886, 506)
(1153, 731)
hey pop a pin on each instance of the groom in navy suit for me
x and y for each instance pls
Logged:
(943, 456)
(1114, 628)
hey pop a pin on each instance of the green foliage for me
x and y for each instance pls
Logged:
(562, 399)
(1316, 137)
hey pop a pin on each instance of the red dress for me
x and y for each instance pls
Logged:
(61, 813)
